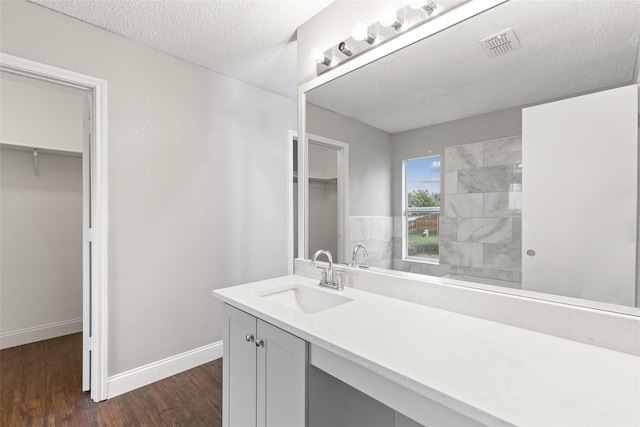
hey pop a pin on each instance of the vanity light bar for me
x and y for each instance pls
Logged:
(364, 38)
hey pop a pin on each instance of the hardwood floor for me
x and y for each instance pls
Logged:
(40, 385)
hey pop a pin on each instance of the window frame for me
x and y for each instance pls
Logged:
(405, 212)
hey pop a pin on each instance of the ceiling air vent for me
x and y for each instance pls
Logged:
(500, 43)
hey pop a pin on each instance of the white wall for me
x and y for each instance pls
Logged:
(41, 246)
(40, 114)
(197, 167)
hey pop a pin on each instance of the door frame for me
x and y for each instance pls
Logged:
(292, 138)
(98, 344)
(342, 150)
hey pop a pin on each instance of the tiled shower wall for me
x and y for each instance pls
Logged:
(481, 225)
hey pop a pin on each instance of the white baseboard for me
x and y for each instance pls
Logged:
(156, 371)
(39, 333)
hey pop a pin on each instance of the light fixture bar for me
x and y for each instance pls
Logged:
(391, 23)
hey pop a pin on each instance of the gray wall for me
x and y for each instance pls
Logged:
(197, 166)
(41, 246)
(335, 403)
(369, 159)
(40, 114)
(323, 199)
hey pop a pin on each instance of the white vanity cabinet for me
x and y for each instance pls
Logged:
(265, 373)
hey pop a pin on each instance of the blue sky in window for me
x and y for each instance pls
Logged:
(423, 174)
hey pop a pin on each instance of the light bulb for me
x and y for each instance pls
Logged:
(387, 15)
(319, 57)
(359, 31)
(316, 54)
(428, 5)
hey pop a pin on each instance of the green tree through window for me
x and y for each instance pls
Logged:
(423, 199)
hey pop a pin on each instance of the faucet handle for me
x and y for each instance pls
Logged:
(323, 277)
(339, 285)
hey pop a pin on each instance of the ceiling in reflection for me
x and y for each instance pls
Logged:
(567, 48)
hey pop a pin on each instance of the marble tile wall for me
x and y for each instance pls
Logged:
(481, 225)
(376, 234)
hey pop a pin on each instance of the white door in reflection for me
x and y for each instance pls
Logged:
(580, 187)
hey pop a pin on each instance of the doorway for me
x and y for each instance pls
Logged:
(323, 199)
(94, 201)
(322, 217)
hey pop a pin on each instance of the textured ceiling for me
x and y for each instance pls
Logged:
(253, 41)
(568, 47)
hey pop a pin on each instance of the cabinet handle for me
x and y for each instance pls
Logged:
(249, 338)
(259, 343)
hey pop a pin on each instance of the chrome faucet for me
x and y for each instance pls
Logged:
(329, 278)
(355, 254)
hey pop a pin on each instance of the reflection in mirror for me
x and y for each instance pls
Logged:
(537, 146)
(421, 202)
(326, 190)
(323, 198)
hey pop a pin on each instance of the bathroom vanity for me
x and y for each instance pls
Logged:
(292, 345)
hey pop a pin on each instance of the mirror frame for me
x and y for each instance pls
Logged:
(459, 12)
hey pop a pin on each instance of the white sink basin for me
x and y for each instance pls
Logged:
(304, 299)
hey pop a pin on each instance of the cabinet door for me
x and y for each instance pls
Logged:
(239, 369)
(282, 378)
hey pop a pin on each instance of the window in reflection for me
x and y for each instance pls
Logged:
(422, 207)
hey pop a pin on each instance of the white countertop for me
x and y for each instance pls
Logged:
(489, 371)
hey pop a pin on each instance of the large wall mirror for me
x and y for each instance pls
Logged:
(514, 170)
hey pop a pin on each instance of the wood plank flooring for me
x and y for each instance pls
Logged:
(40, 385)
